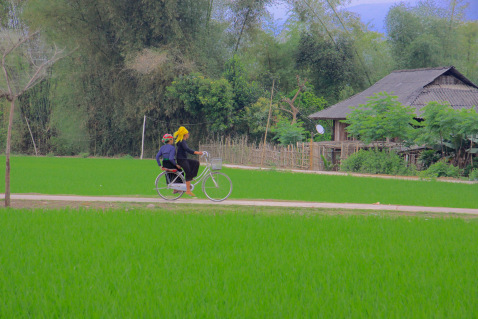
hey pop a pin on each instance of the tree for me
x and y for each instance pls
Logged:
(104, 86)
(381, 118)
(24, 65)
(245, 17)
(208, 99)
(330, 66)
(437, 125)
(289, 133)
(447, 128)
(292, 109)
(425, 35)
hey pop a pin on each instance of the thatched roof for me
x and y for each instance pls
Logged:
(413, 87)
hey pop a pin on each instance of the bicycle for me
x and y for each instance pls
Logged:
(217, 186)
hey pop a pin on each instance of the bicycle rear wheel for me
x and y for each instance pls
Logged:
(217, 186)
(163, 185)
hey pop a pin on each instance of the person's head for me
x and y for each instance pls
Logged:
(181, 134)
(167, 139)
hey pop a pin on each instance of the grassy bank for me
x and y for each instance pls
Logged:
(95, 176)
(242, 264)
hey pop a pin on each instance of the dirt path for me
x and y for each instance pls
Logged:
(53, 200)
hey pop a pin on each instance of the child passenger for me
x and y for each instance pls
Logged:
(168, 153)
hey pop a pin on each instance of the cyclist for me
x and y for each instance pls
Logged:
(189, 166)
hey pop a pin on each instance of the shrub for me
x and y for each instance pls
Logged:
(377, 162)
(287, 133)
(441, 169)
(473, 175)
(469, 168)
(428, 158)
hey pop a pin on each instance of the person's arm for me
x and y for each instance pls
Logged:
(190, 151)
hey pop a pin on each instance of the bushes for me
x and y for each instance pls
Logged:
(441, 169)
(473, 175)
(383, 162)
(428, 157)
(377, 162)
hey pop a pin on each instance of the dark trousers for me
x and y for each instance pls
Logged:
(190, 167)
(170, 176)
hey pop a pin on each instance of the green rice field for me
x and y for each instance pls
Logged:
(133, 177)
(243, 263)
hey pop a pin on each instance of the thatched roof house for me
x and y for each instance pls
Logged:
(412, 87)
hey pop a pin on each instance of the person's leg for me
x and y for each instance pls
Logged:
(168, 164)
(187, 169)
(194, 167)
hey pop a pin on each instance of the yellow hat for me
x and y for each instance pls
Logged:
(179, 134)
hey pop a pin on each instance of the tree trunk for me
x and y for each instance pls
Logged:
(7, 154)
(242, 29)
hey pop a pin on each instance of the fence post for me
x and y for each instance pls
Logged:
(142, 139)
(311, 154)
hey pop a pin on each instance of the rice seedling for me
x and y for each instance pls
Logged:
(235, 264)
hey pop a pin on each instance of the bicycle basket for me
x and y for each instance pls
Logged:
(216, 163)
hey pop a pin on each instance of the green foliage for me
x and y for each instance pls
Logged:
(206, 98)
(449, 129)
(287, 133)
(382, 117)
(245, 92)
(437, 124)
(256, 114)
(99, 93)
(473, 175)
(430, 35)
(376, 162)
(441, 169)
(428, 157)
(327, 164)
(245, 18)
(469, 168)
(330, 66)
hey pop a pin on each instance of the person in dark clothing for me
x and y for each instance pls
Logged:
(190, 166)
(168, 153)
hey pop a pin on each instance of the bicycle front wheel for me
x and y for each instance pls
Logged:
(163, 185)
(217, 186)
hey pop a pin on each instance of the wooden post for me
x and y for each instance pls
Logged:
(311, 154)
(268, 120)
(33, 140)
(142, 140)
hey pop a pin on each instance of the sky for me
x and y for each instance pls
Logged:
(357, 2)
(280, 11)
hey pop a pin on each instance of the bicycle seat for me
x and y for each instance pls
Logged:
(170, 170)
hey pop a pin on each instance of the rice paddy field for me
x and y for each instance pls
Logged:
(235, 263)
(133, 177)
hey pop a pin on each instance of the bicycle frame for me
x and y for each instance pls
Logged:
(198, 179)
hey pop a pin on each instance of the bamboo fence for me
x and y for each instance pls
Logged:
(321, 156)
(308, 156)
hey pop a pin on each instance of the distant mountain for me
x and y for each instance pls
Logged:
(375, 14)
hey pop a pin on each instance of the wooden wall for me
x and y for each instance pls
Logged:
(339, 132)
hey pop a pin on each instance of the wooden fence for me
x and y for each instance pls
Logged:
(310, 155)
